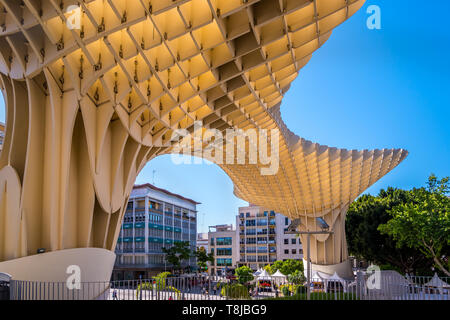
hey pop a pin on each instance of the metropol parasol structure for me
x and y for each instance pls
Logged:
(94, 94)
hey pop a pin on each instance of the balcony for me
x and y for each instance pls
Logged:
(262, 259)
(264, 214)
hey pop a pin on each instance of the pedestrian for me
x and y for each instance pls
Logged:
(114, 294)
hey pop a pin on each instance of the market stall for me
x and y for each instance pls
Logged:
(279, 278)
(436, 285)
(264, 281)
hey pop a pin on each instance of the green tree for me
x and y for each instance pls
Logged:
(286, 267)
(365, 241)
(203, 258)
(244, 274)
(177, 253)
(424, 222)
(160, 280)
(296, 277)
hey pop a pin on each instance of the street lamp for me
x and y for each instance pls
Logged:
(292, 229)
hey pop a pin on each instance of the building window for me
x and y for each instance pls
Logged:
(286, 221)
(262, 240)
(250, 223)
(293, 241)
(286, 251)
(212, 241)
(223, 241)
(294, 251)
(286, 241)
(224, 252)
(221, 262)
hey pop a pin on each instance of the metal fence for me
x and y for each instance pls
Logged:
(383, 286)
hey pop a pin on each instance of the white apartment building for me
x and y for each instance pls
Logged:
(262, 237)
(154, 218)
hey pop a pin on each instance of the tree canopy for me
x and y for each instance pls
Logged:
(203, 258)
(244, 274)
(177, 253)
(386, 229)
(286, 267)
(364, 239)
(423, 222)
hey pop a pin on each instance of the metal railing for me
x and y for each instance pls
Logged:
(385, 286)
(171, 288)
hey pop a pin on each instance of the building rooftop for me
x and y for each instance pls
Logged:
(150, 186)
(221, 227)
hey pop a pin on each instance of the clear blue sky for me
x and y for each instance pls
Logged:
(363, 89)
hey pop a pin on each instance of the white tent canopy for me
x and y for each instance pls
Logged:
(336, 277)
(278, 277)
(317, 275)
(278, 274)
(258, 272)
(264, 276)
(437, 283)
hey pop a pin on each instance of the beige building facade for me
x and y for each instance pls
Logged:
(202, 241)
(223, 244)
(91, 99)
